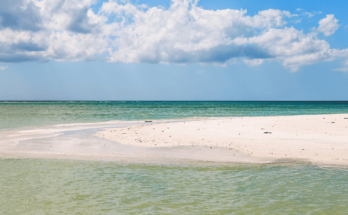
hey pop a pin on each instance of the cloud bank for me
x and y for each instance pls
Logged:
(184, 33)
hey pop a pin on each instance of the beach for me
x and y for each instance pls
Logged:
(173, 157)
(320, 139)
(173, 107)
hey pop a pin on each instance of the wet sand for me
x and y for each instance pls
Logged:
(78, 141)
(320, 139)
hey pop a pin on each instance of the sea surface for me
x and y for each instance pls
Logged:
(34, 186)
(23, 114)
(68, 186)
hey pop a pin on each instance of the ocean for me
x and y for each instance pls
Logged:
(23, 114)
(77, 186)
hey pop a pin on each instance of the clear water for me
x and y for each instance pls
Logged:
(22, 114)
(30, 186)
(48, 186)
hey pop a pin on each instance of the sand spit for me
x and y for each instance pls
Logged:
(321, 139)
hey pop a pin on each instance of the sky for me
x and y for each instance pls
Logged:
(173, 50)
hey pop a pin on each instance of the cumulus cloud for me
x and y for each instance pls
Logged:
(184, 33)
(20, 15)
(3, 67)
(328, 25)
(293, 47)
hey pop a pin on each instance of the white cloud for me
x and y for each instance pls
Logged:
(328, 25)
(3, 67)
(343, 69)
(309, 14)
(293, 47)
(297, 21)
(298, 9)
(184, 33)
(253, 62)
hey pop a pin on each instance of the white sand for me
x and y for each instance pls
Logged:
(321, 139)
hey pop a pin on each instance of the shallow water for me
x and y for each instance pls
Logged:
(35, 186)
(78, 141)
(167, 183)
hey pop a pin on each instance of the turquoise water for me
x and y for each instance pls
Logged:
(21, 114)
(30, 186)
(48, 186)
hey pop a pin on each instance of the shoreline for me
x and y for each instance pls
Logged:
(320, 139)
(236, 140)
(92, 123)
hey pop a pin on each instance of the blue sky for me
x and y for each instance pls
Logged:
(182, 50)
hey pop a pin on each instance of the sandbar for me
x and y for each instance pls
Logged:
(320, 139)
